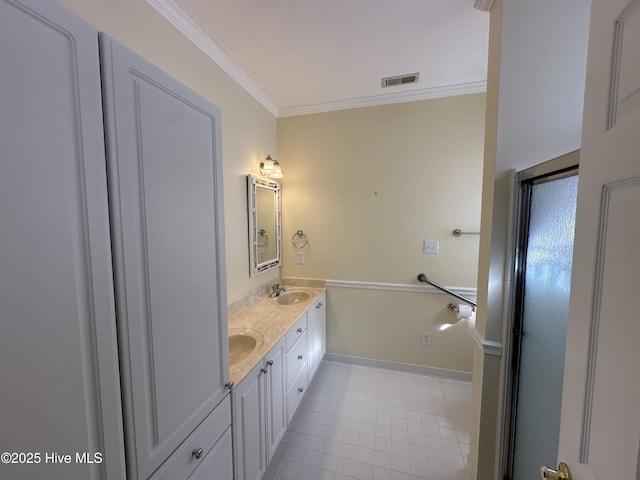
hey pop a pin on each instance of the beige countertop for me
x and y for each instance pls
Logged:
(272, 320)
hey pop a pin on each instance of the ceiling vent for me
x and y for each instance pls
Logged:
(400, 80)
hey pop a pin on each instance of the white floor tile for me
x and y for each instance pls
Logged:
(359, 423)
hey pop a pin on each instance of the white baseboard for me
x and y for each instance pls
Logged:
(399, 367)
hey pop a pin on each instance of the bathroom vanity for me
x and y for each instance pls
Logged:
(272, 378)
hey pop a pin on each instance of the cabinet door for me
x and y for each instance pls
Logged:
(317, 326)
(165, 195)
(59, 384)
(276, 398)
(249, 425)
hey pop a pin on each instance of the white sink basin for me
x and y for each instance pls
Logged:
(291, 298)
(242, 343)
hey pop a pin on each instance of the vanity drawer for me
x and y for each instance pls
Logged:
(295, 332)
(296, 358)
(219, 463)
(296, 392)
(183, 461)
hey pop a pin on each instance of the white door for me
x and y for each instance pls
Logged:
(59, 383)
(600, 425)
(164, 161)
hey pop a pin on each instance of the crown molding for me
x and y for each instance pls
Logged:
(484, 5)
(179, 19)
(387, 99)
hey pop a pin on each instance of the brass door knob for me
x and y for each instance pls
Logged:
(563, 473)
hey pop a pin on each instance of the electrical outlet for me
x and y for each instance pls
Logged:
(431, 246)
(426, 338)
(300, 258)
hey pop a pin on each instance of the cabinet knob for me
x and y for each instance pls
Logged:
(319, 305)
(299, 330)
(264, 369)
(197, 453)
(300, 390)
(270, 362)
(229, 385)
(299, 357)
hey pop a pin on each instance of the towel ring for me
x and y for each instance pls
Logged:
(263, 234)
(299, 239)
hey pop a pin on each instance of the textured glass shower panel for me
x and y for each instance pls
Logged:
(544, 327)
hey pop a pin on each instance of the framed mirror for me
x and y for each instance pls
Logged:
(265, 238)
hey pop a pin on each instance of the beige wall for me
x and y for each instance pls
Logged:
(367, 186)
(248, 130)
(386, 325)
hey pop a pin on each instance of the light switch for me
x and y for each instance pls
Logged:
(431, 246)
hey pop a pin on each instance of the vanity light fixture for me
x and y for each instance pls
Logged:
(270, 168)
(266, 167)
(277, 171)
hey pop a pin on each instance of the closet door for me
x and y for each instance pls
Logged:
(164, 161)
(59, 385)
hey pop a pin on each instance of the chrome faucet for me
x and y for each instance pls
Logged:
(277, 289)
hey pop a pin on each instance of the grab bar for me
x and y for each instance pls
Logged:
(458, 233)
(423, 278)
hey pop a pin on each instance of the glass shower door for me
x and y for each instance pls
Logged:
(544, 279)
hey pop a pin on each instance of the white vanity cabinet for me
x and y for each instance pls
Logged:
(165, 193)
(267, 397)
(259, 415)
(317, 334)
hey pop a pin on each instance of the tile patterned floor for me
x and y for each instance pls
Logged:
(372, 424)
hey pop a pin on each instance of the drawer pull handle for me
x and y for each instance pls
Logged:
(300, 390)
(197, 453)
(299, 330)
(299, 357)
(265, 369)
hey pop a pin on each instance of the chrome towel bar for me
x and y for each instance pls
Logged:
(423, 278)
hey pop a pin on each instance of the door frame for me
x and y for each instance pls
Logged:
(520, 194)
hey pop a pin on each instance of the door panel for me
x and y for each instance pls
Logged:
(249, 418)
(166, 202)
(609, 437)
(59, 384)
(275, 399)
(600, 430)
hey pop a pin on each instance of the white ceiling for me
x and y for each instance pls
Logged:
(303, 56)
